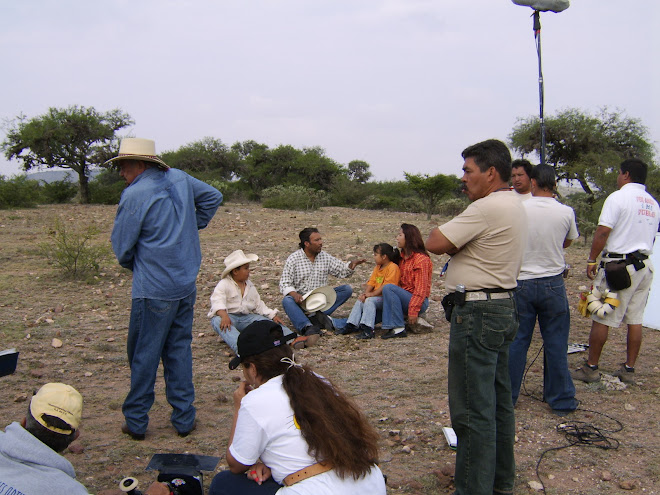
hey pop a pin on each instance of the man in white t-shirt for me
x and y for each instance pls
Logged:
(520, 178)
(626, 230)
(541, 293)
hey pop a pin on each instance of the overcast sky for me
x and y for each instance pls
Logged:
(405, 85)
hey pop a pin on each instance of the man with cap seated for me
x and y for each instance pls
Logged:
(155, 235)
(30, 463)
(308, 302)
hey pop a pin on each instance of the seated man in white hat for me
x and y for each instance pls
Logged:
(155, 235)
(30, 460)
(235, 302)
(305, 274)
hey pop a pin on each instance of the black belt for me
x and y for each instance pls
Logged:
(634, 254)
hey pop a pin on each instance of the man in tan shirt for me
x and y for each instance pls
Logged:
(486, 242)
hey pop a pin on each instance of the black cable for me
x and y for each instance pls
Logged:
(524, 386)
(583, 434)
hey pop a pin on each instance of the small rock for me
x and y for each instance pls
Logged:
(50, 321)
(111, 339)
(394, 433)
(235, 378)
(87, 339)
(76, 448)
(201, 334)
(227, 354)
(576, 479)
(448, 469)
(551, 476)
(36, 373)
(629, 407)
(535, 485)
(58, 309)
(222, 398)
(384, 418)
(606, 476)
(20, 398)
(88, 374)
(406, 449)
(56, 343)
(628, 485)
(58, 334)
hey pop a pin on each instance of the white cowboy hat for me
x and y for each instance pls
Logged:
(236, 259)
(319, 299)
(138, 149)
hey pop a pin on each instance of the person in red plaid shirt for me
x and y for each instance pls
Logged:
(411, 296)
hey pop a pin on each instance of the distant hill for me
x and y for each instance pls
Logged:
(49, 176)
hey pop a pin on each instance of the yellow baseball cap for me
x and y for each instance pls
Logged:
(59, 400)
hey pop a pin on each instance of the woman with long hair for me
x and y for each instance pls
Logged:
(293, 432)
(411, 296)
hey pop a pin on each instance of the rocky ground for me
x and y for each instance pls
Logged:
(402, 385)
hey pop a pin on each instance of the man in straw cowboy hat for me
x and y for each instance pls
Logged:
(305, 275)
(156, 237)
(235, 302)
(30, 460)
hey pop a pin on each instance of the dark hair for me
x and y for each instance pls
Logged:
(414, 241)
(56, 441)
(524, 164)
(636, 168)
(385, 249)
(305, 234)
(544, 175)
(490, 153)
(330, 422)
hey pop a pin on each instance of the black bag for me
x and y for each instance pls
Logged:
(617, 275)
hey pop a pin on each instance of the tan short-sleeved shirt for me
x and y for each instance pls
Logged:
(490, 235)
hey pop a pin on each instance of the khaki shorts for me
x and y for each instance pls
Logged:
(633, 299)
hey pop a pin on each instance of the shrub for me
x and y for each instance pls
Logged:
(59, 191)
(19, 192)
(106, 187)
(293, 198)
(452, 207)
(72, 250)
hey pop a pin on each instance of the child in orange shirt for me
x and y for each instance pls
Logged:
(369, 306)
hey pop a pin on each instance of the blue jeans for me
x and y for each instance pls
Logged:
(228, 483)
(480, 396)
(160, 330)
(238, 324)
(395, 306)
(544, 298)
(298, 316)
(367, 313)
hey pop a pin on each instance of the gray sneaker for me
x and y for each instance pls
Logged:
(625, 375)
(586, 374)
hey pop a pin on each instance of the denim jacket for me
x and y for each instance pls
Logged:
(155, 232)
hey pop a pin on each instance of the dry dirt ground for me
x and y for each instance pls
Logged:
(401, 385)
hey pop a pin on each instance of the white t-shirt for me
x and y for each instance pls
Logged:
(633, 216)
(265, 430)
(549, 222)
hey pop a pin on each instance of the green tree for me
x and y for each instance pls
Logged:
(75, 138)
(358, 171)
(206, 155)
(287, 166)
(584, 147)
(431, 189)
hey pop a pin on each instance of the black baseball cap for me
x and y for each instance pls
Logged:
(258, 337)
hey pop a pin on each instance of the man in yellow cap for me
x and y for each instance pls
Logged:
(30, 460)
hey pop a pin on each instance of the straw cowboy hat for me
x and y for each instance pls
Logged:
(236, 259)
(139, 149)
(319, 299)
